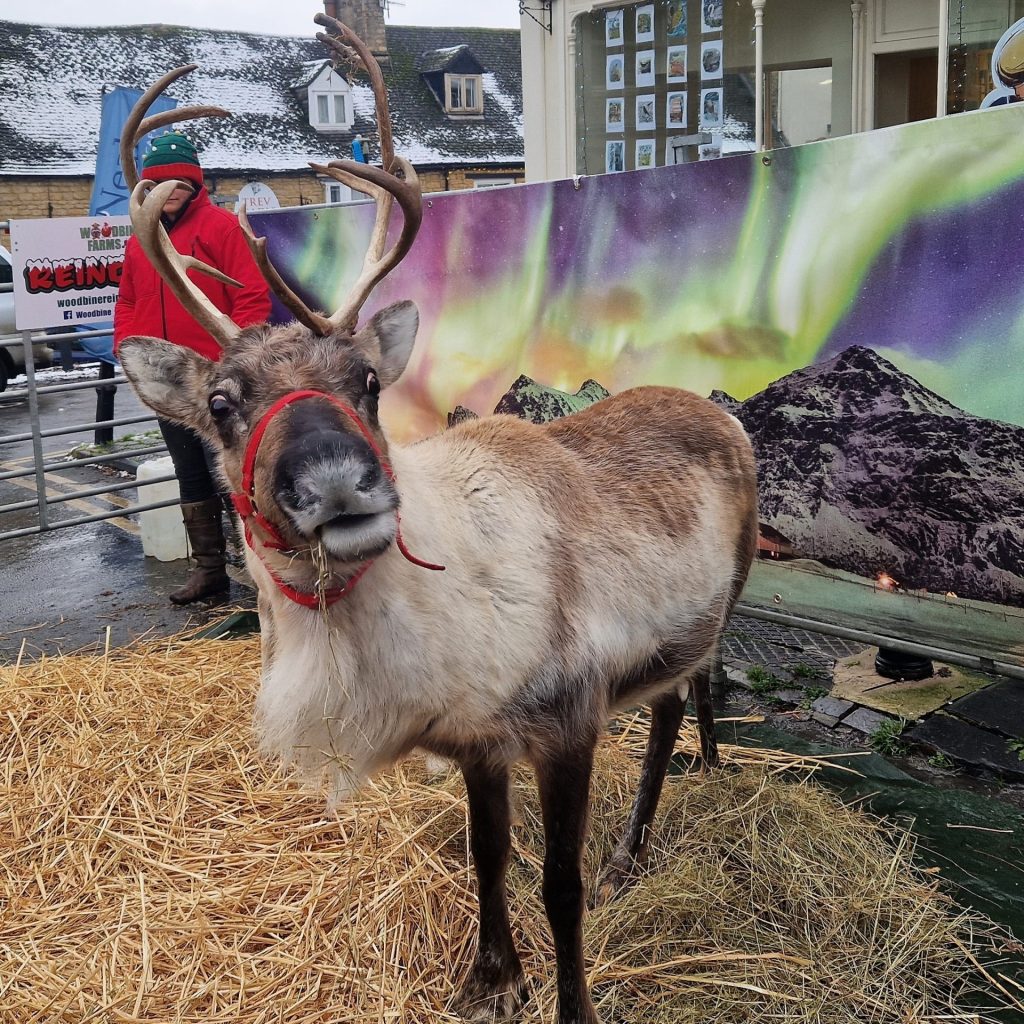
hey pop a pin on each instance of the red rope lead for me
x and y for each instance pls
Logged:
(245, 505)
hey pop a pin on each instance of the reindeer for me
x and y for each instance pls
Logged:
(578, 567)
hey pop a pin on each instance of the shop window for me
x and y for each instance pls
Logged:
(986, 51)
(798, 106)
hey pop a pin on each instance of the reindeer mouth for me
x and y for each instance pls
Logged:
(349, 521)
(357, 536)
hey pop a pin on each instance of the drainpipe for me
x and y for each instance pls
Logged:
(943, 82)
(857, 112)
(758, 6)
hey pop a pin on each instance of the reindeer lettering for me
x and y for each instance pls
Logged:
(588, 564)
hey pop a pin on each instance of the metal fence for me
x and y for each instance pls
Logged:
(46, 459)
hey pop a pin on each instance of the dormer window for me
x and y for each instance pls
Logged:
(329, 97)
(464, 94)
(455, 79)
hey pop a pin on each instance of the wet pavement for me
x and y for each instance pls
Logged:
(87, 586)
(91, 586)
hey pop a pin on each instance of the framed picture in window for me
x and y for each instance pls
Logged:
(614, 157)
(712, 150)
(613, 28)
(615, 114)
(644, 154)
(646, 121)
(712, 114)
(711, 60)
(711, 15)
(616, 73)
(645, 69)
(675, 64)
(675, 15)
(645, 24)
(675, 110)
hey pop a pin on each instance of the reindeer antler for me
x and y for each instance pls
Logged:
(384, 185)
(135, 127)
(146, 205)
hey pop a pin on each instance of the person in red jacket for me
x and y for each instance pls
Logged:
(145, 306)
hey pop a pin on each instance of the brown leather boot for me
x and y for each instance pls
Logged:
(206, 537)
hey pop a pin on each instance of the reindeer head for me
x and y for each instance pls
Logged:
(291, 410)
(316, 463)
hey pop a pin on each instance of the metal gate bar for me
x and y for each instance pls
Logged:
(43, 463)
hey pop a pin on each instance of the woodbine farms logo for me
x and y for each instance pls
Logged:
(43, 277)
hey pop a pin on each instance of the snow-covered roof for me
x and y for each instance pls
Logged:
(308, 71)
(52, 80)
(435, 60)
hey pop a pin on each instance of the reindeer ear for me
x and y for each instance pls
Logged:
(388, 338)
(169, 378)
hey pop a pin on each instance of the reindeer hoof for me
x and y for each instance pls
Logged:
(618, 875)
(480, 1000)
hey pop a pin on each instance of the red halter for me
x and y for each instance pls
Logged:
(245, 504)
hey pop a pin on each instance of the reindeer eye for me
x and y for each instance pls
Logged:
(372, 383)
(220, 405)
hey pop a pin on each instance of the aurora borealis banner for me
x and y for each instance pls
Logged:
(858, 303)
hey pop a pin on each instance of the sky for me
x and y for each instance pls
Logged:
(270, 16)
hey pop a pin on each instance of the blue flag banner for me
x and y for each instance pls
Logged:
(110, 191)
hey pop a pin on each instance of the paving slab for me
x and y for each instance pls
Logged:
(855, 679)
(736, 674)
(866, 721)
(968, 744)
(999, 707)
(829, 710)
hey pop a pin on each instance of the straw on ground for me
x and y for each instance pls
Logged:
(153, 869)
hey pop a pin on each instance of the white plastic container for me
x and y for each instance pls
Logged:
(163, 532)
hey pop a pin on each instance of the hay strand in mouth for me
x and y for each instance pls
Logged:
(154, 869)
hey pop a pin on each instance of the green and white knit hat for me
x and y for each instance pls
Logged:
(172, 155)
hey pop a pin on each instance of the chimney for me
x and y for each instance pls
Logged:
(365, 18)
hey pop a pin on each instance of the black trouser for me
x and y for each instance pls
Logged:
(194, 463)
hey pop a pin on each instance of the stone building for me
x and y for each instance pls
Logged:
(455, 96)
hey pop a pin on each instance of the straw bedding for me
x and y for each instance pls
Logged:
(152, 868)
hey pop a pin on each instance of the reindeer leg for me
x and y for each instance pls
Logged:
(700, 692)
(631, 850)
(564, 781)
(495, 988)
(666, 716)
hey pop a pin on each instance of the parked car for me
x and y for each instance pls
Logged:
(12, 358)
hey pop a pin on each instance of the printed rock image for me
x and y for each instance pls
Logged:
(864, 469)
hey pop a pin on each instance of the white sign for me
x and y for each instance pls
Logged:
(257, 198)
(67, 269)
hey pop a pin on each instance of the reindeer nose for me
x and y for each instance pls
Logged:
(370, 478)
(325, 463)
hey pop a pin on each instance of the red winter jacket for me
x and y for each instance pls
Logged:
(146, 306)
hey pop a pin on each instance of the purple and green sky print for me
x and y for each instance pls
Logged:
(860, 297)
(719, 275)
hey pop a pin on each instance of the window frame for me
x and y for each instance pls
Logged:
(332, 188)
(330, 93)
(478, 87)
(498, 181)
